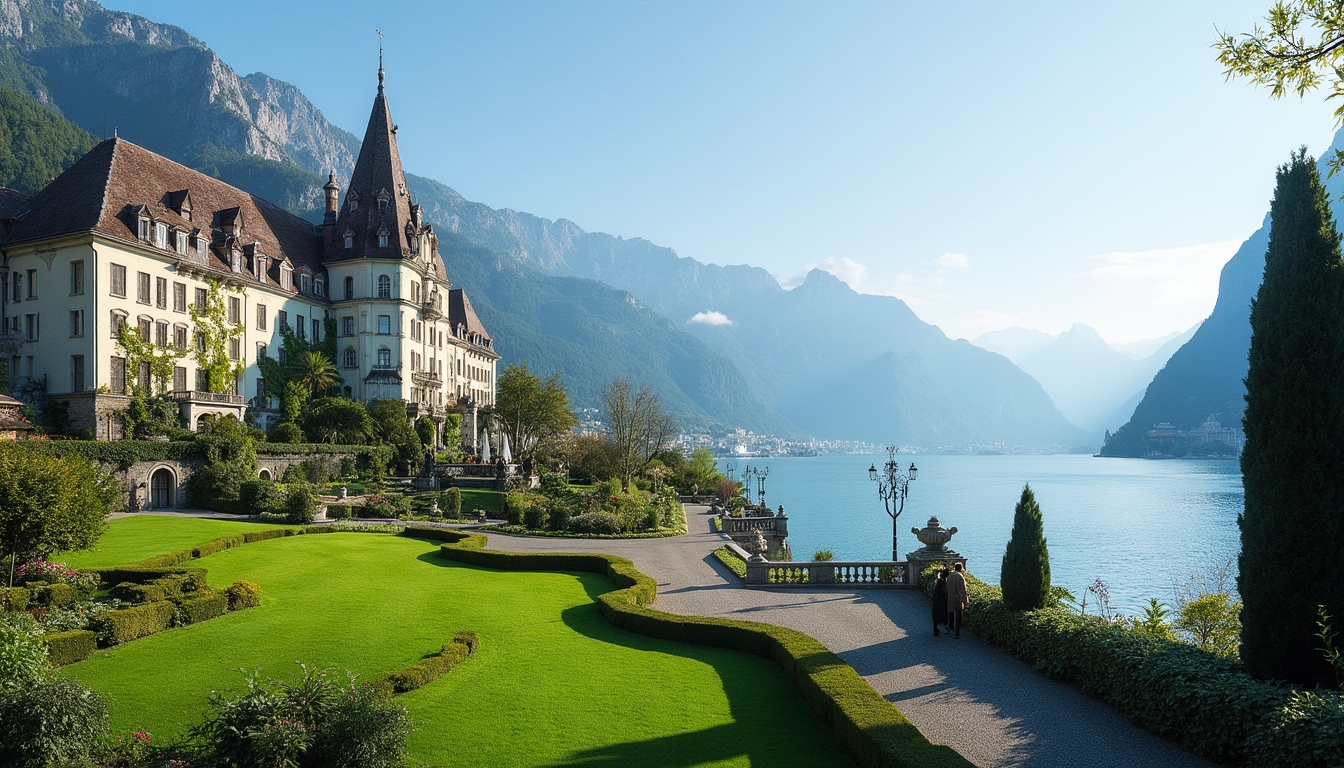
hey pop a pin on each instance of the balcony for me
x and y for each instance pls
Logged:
(430, 311)
(206, 397)
(428, 378)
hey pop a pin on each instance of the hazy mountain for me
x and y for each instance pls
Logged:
(1206, 375)
(1145, 347)
(1089, 380)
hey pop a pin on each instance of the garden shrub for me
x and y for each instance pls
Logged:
(202, 607)
(138, 593)
(338, 511)
(14, 598)
(534, 517)
(69, 647)
(450, 503)
(127, 624)
(285, 432)
(515, 504)
(243, 594)
(431, 668)
(218, 545)
(23, 655)
(868, 727)
(193, 578)
(729, 558)
(259, 496)
(53, 722)
(53, 595)
(598, 523)
(301, 505)
(557, 515)
(270, 533)
(165, 561)
(176, 585)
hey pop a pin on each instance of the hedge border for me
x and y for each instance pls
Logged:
(730, 559)
(434, 666)
(69, 647)
(869, 728)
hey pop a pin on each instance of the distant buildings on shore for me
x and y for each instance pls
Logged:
(1211, 438)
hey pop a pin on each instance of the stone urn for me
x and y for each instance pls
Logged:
(342, 493)
(756, 545)
(934, 537)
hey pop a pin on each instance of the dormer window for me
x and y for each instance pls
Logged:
(286, 277)
(144, 229)
(320, 287)
(261, 267)
(382, 235)
(236, 261)
(352, 201)
(202, 242)
(182, 243)
(161, 235)
(305, 283)
(383, 199)
(349, 239)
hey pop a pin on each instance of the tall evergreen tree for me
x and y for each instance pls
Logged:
(1292, 529)
(1025, 577)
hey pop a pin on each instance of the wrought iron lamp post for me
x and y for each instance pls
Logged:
(893, 485)
(761, 474)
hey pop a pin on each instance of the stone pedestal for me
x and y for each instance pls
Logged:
(935, 538)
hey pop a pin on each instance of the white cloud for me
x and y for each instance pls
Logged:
(847, 269)
(952, 260)
(710, 318)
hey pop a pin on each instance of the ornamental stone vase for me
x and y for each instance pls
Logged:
(935, 538)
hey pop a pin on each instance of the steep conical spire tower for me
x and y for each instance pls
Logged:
(377, 218)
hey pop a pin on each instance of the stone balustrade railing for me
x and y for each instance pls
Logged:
(779, 524)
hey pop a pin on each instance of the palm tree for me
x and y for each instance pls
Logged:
(317, 373)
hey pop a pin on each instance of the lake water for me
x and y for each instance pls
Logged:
(1141, 526)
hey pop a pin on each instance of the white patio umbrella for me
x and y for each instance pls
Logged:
(504, 449)
(485, 445)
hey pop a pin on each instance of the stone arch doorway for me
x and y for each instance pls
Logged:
(264, 474)
(161, 486)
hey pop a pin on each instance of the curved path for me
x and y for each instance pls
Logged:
(993, 709)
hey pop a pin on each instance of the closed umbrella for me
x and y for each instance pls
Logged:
(504, 449)
(485, 445)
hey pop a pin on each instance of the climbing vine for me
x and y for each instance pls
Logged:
(139, 351)
(213, 331)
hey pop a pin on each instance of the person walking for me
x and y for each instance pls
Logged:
(939, 600)
(956, 599)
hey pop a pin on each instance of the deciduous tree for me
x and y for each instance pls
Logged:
(50, 504)
(637, 426)
(532, 410)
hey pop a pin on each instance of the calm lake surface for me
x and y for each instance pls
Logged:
(1141, 526)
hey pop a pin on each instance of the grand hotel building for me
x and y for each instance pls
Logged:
(125, 236)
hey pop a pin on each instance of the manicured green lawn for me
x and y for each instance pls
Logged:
(134, 538)
(478, 498)
(552, 684)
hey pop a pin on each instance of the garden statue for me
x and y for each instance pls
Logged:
(757, 545)
(781, 510)
(434, 508)
(341, 494)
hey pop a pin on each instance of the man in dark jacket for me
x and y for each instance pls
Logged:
(939, 600)
(956, 600)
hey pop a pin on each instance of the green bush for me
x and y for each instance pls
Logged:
(176, 585)
(69, 647)
(53, 595)
(127, 624)
(14, 598)
(450, 503)
(53, 722)
(729, 558)
(243, 594)
(167, 561)
(265, 535)
(1025, 574)
(338, 512)
(534, 517)
(597, 523)
(431, 668)
(300, 505)
(870, 729)
(121, 453)
(259, 496)
(285, 432)
(138, 593)
(206, 606)
(218, 545)
(194, 578)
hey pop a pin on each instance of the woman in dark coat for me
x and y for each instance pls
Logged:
(939, 600)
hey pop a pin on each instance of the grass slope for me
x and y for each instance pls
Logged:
(130, 539)
(552, 684)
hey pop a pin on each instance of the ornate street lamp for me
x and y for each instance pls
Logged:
(893, 486)
(760, 484)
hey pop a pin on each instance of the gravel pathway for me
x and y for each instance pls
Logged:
(993, 709)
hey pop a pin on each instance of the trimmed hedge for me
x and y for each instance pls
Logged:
(870, 728)
(206, 606)
(218, 545)
(243, 594)
(127, 624)
(1207, 704)
(69, 647)
(53, 595)
(338, 512)
(270, 533)
(122, 453)
(14, 598)
(729, 558)
(138, 593)
(431, 668)
(192, 578)
(366, 456)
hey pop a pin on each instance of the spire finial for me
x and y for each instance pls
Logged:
(380, 59)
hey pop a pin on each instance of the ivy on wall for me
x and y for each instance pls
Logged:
(139, 352)
(213, 331)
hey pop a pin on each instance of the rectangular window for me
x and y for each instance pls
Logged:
(144, 378)
(145, 329)
(76, 322)
(182, 243)
(161, 292)
(30, 323)
(32, 284)
(118, 322)
(261, 351)
(320, 287)
(18, 288)
(202, 380)
(317, 330)
(142, 287)
(282, 321)
(261, 391)
(235, 349)
(348, 326)
(144, 229)
(261, 317)
(306, 283)
(201, 244)
(384, 358)
(284, 358)
(179, 378)
(76, 278)
(76, 373)
(200, 341)
(350, 358)
(384, 324)
(298, 328)
(161, 235)
(179, 297)
(202, 299)
(161, 333)
(180, 336)
(118, 371)
(235, 310)
(118, 280)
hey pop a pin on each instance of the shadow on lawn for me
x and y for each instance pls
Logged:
(757, 736)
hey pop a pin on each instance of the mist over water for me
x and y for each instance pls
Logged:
(1141, 526)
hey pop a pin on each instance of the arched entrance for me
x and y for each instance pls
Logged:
(264, 474)
(161, 486)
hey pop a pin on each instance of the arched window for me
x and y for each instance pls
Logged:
(349, 287)
(118, 321)
(351, 361)
(384, 287)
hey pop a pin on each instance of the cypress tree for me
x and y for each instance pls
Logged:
(1293, 463)
(1025, 577)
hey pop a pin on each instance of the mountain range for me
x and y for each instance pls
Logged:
(724, 346)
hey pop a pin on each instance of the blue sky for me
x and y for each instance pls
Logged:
(994, 164)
